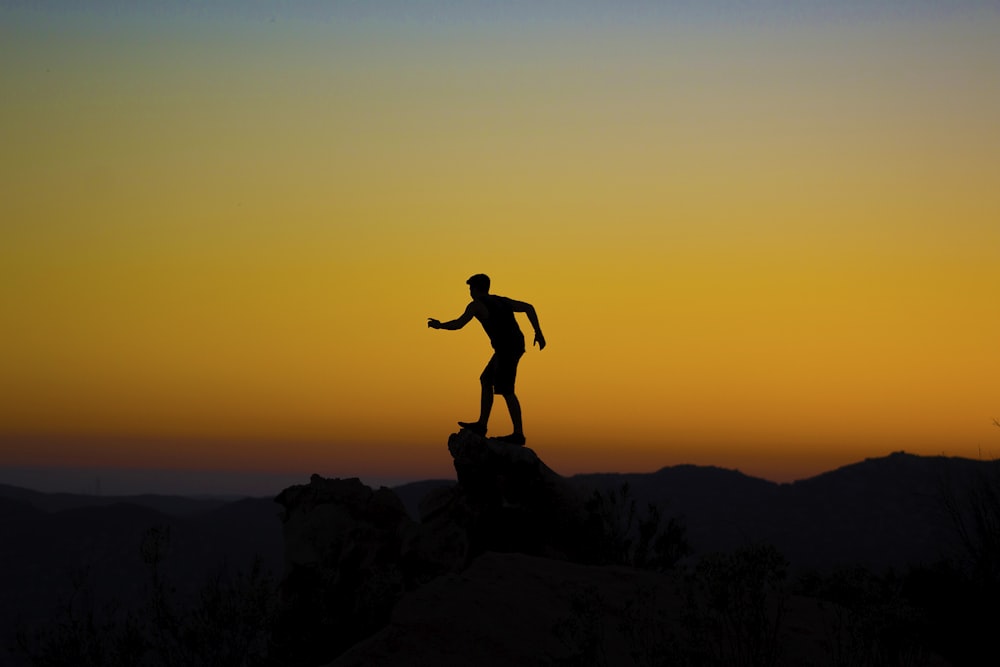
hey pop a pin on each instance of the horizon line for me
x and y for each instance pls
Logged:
(109, 481)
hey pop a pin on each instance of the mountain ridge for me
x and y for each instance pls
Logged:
(878, 513)
(189, 504)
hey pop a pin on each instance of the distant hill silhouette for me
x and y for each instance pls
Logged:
(54, 502)
(877, 513)
(880, 512)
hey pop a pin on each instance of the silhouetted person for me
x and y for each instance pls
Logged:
(496, 314)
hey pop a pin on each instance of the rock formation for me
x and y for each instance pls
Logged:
(352, 552)
(343, 565)
(512, 609)
(507, 499)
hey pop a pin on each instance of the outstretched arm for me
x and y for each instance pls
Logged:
(529, 310)
(458, 322)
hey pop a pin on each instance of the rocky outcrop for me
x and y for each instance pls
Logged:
(332, 522)
(343, 566)
(351, 552)
(508, 500)
(512, 609)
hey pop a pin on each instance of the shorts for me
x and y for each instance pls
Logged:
(501, 371)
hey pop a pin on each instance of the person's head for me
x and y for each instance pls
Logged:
(479, 285)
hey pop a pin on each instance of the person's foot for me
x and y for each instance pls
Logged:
(476, 427)
(512, 439)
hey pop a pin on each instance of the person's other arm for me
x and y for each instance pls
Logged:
(470, 311)
(529, 310)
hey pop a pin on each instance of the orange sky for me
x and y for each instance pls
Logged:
(762, 244)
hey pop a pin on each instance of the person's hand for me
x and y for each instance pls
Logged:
(433, 324)
(539, 340)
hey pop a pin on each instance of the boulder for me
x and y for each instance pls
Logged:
(508, 500)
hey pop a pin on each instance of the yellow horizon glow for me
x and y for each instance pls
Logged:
(761, 248)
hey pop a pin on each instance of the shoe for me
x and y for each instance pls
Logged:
(512, 439)
(475, 427)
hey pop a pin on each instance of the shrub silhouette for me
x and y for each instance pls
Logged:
(733, 612)
(735, 605)
(872, 620)
(975, 515)
(618, 535)
(960, 596)
(85, 633)
(227, 624)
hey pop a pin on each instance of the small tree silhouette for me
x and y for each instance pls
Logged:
(620, 536)
(975, 515)
(736, 603)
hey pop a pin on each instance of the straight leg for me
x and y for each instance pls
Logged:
(485, 403)
(514, 407)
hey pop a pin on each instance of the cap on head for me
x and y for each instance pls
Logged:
(480, 281)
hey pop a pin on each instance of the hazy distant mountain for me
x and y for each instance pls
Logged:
(13, 509)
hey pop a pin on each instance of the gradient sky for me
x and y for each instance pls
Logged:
(756, 238)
